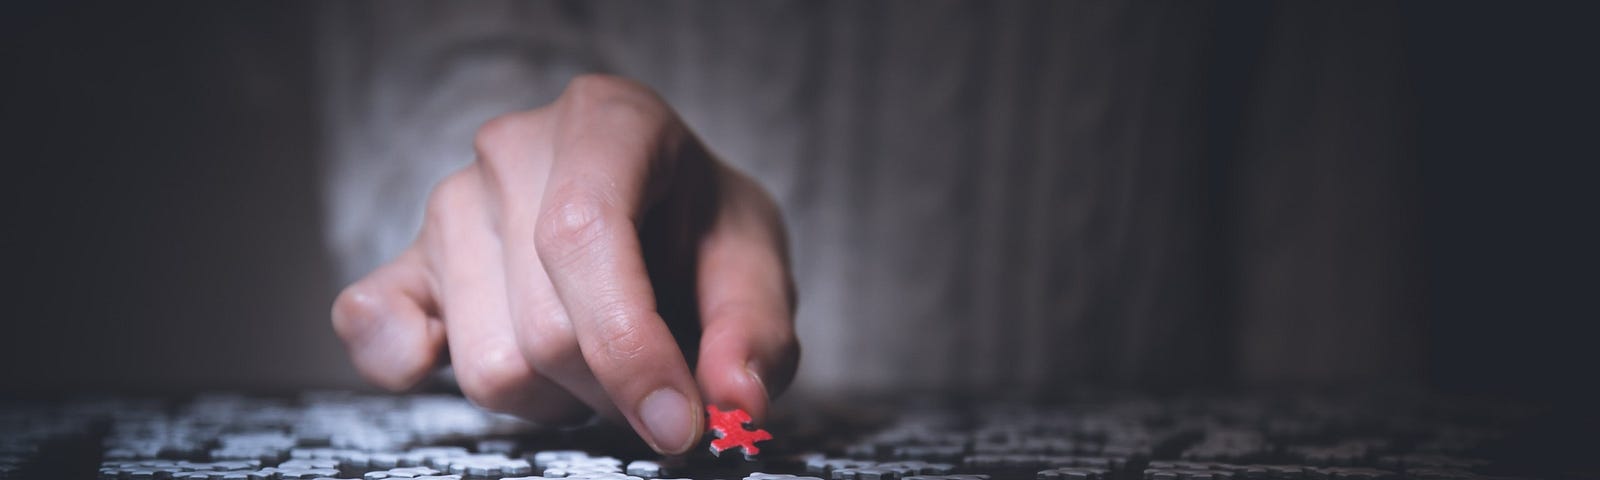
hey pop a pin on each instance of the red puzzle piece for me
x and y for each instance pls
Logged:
(729, 427)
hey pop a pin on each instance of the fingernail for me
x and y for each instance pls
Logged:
(750, 368)
(666, 415)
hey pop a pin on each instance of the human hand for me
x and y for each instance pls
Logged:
(567, 263)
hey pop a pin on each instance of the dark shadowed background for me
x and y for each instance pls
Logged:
(1171, 195)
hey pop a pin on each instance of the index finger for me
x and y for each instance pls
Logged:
(607, 149)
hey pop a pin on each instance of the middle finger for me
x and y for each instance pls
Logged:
(470, 280)
(516, 167)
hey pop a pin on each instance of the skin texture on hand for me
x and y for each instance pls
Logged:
(592, 254)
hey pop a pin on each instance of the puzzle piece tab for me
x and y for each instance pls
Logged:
(730, 429)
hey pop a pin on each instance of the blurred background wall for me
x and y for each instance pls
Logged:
(996, 197)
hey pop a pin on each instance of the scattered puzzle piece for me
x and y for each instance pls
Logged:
(730, 429)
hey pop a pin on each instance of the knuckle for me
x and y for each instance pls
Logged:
(552, 353)
(498, 139)
(493, 378)
(571, 222)
(493, 133)
(449, 196)
(618, 333)
(613, 96)
(599, 86)
(736, 311)
(769, 323)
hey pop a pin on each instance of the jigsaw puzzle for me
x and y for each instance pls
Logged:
(730, 429)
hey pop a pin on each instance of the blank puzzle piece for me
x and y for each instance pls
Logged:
(730, 429)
